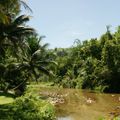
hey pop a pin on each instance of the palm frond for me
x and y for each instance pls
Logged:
(25, 5)
(13, 65)
(45, 46)
(21, 19)
(24, 66)
(22, 29)
(47, 63)
(21, 32)
(40, 38)
(36, 53)
(45, 71)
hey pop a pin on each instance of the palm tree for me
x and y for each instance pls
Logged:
(12, 29)
(11, 8)
(35, 43)
(14, 33)
(31, 67)
(37, 61)
(35, 66)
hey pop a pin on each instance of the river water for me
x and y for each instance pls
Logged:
(84, 105)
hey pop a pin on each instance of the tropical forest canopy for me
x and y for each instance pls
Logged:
(92, 64)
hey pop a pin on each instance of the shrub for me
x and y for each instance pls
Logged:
(32, 108)
(29, 107)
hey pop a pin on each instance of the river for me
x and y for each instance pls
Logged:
(83, 104)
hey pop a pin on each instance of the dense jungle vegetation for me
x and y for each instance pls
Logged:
(92, 64)
(22, 56)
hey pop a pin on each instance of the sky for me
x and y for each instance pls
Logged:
(63, 21)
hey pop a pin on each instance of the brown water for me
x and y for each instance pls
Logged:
(85, 105)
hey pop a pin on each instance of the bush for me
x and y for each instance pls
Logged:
(30, 107)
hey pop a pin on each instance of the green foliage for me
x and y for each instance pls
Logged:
(31, 108)
(28, 107)
(93, 64)
(6, 98)
(22, 55)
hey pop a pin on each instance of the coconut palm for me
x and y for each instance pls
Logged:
(37, 61)
(14, 33)
(31, 67)
(35, 66)
(35, 43)
(11, 8)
